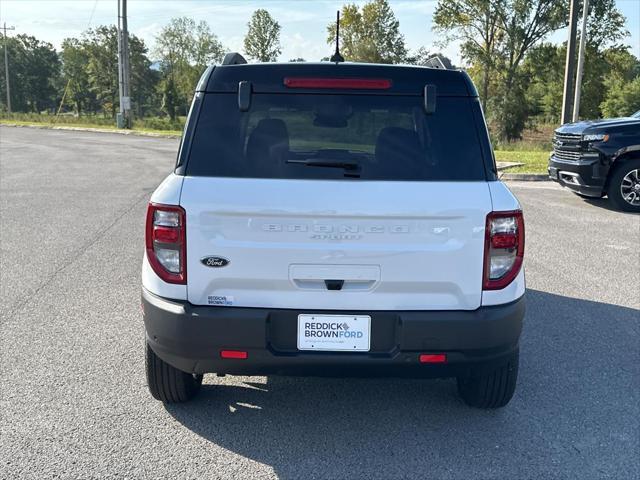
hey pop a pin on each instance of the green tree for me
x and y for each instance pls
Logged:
(143, 79)
(34, 68)
(101, 47)
(544, 66)
(185, 49)
(622, 98)
(496, 36)
(523, 24)
(605, 24)
(75, 59)
(477, 25)
(621, 83)
(371, 34)
(604, 56)
(262, 41)
(101, 44)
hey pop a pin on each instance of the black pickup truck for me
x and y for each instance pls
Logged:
(600, 157)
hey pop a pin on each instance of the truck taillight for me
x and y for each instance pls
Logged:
(165, 239)
(503, 249)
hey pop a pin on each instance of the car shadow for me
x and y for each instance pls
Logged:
(604, 202)
(574, 414)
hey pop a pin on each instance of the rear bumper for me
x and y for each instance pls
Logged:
(586, 176)
(190, 338)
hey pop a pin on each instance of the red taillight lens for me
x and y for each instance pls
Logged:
(503, 249)
(165, 239)
(432, 358)
(501, 240)
(166, 234)
(338, 83)
(236, 354)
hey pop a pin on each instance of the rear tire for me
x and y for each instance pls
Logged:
(614, 191)
(167, 383)
(493, 389)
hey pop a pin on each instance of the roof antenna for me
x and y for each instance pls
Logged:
(336, 57)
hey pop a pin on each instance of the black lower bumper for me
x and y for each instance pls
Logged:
(191, 337)
(586, 177)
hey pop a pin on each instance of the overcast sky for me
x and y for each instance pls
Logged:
(303, 21)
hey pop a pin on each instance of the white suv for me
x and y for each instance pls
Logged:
(334, 219)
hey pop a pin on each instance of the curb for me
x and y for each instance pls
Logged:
(95, 130)
(502, 166)
(525, 177)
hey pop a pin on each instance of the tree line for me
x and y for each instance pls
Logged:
(83, 76)
(503, 45)
(520, 75)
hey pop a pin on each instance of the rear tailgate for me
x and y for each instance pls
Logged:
(389, 245)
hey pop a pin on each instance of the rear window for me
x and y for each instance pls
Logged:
(365, 137)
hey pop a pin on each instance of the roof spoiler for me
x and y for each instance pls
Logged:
(439, 62)
(233, 58)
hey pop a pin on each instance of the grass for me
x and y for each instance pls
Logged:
(147, 124)
(533, 153)
(534, 161)
(80, 124)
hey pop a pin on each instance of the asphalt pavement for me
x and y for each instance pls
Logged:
(73, 396)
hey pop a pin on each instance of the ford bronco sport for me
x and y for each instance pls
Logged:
(334, 219)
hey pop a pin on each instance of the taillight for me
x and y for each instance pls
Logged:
(503, 249)
(338, 83)
(165, 239)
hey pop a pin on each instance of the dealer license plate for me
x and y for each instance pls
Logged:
(338, 333)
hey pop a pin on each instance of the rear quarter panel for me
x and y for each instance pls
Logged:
(167, 193)
(504, 200)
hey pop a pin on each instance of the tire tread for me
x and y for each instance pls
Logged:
(493, 389)
(168, 384)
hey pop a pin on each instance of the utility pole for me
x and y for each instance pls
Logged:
(123, 67)
(581, 54)
(6, 65)
(570, 63)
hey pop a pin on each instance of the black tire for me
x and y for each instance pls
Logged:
(167, 383)
(615, 182)
(493, 389)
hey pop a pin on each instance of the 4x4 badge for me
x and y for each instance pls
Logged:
(214, 262)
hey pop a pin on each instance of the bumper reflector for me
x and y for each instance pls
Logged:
(237, 354)
(433, 358)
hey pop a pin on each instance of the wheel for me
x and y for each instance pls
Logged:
(624, 186)
(167, 383)
(493, 389)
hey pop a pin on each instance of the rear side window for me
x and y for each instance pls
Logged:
(365, 137)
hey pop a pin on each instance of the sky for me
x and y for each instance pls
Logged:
(303, 21)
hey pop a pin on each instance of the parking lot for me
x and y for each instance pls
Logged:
(74, 402)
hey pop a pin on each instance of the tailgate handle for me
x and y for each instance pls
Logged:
(334, 284)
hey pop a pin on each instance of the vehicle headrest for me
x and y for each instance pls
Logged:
(395, 144)
(268, 145)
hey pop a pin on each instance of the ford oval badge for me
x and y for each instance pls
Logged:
(214, 262)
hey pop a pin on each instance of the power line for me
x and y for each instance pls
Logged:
(66, 87)
(93, 10)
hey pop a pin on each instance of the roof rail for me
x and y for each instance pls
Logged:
(233, 58)
(437, 61)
